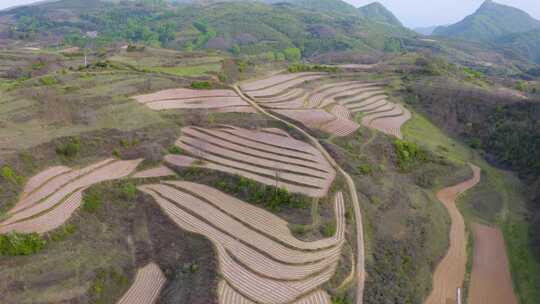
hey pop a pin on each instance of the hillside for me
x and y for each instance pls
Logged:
(326, 6)
(263, 152)
(376, 12)
(489, 21)
(238, 27)
(525, 45)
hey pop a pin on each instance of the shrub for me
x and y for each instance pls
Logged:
(341, 300)
(475, 143)
(473, 74)
(125, 143)
(92, 201)
(10, 175)
(70, 148)
(116, 153)
(293, 54)
(409, 154)
(15, 244)
(329, 229)
(62, 233)
(201, 85)
(271, 197)
(365, 169)
(129, 191)
(175, 149)
(521, 86)
(48, 80)
(296, 68)
(135, 48)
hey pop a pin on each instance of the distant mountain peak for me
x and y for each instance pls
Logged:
(491, 20)
(377, 12)
(487, 4)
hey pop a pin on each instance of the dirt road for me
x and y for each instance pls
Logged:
(491, 282)
(450, 273)
(360, 260)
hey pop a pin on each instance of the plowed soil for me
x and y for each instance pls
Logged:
(491, 282)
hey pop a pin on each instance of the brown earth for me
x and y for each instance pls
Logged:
(450, 272)
(491, 282)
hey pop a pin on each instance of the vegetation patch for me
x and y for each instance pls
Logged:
(129, 191)
(201, 85)
(92, 200)
(63, 232)
(70, 148)
(272, 198)
(48, 80)
(409, 154)
(15, 244)
(10, 175)
(296, 68)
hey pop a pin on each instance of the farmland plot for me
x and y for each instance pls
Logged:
(212, 100)
(146, 288)
(51, 197)
(266, 157)
(331, 107)
(160, 171)
(260, 261)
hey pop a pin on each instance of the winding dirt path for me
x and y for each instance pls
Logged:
(450, 272)
(360, 258)
(491, 282)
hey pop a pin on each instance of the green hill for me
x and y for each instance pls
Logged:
(238, 27)
(526, 45)
(326, 6)
(378, 13)
(489, 21)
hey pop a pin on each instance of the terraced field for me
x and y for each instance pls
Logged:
(146, 288)
(160, 171)
(332, 106)
(264, 156)
(186, 99)
(52, 196)
(260, 261)
(228, 295)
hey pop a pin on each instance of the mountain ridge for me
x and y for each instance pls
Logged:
(377, 12)
(490, 20)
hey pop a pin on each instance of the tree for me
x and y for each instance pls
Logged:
(167, 32)
(293, 54)
(235, 50)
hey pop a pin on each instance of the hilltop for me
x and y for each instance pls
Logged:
(491, 20)
(377, 12)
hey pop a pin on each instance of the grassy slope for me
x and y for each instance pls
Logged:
(509, 213)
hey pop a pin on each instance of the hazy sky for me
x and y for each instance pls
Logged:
(413, 13)
(10, 3)
(417, 13)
